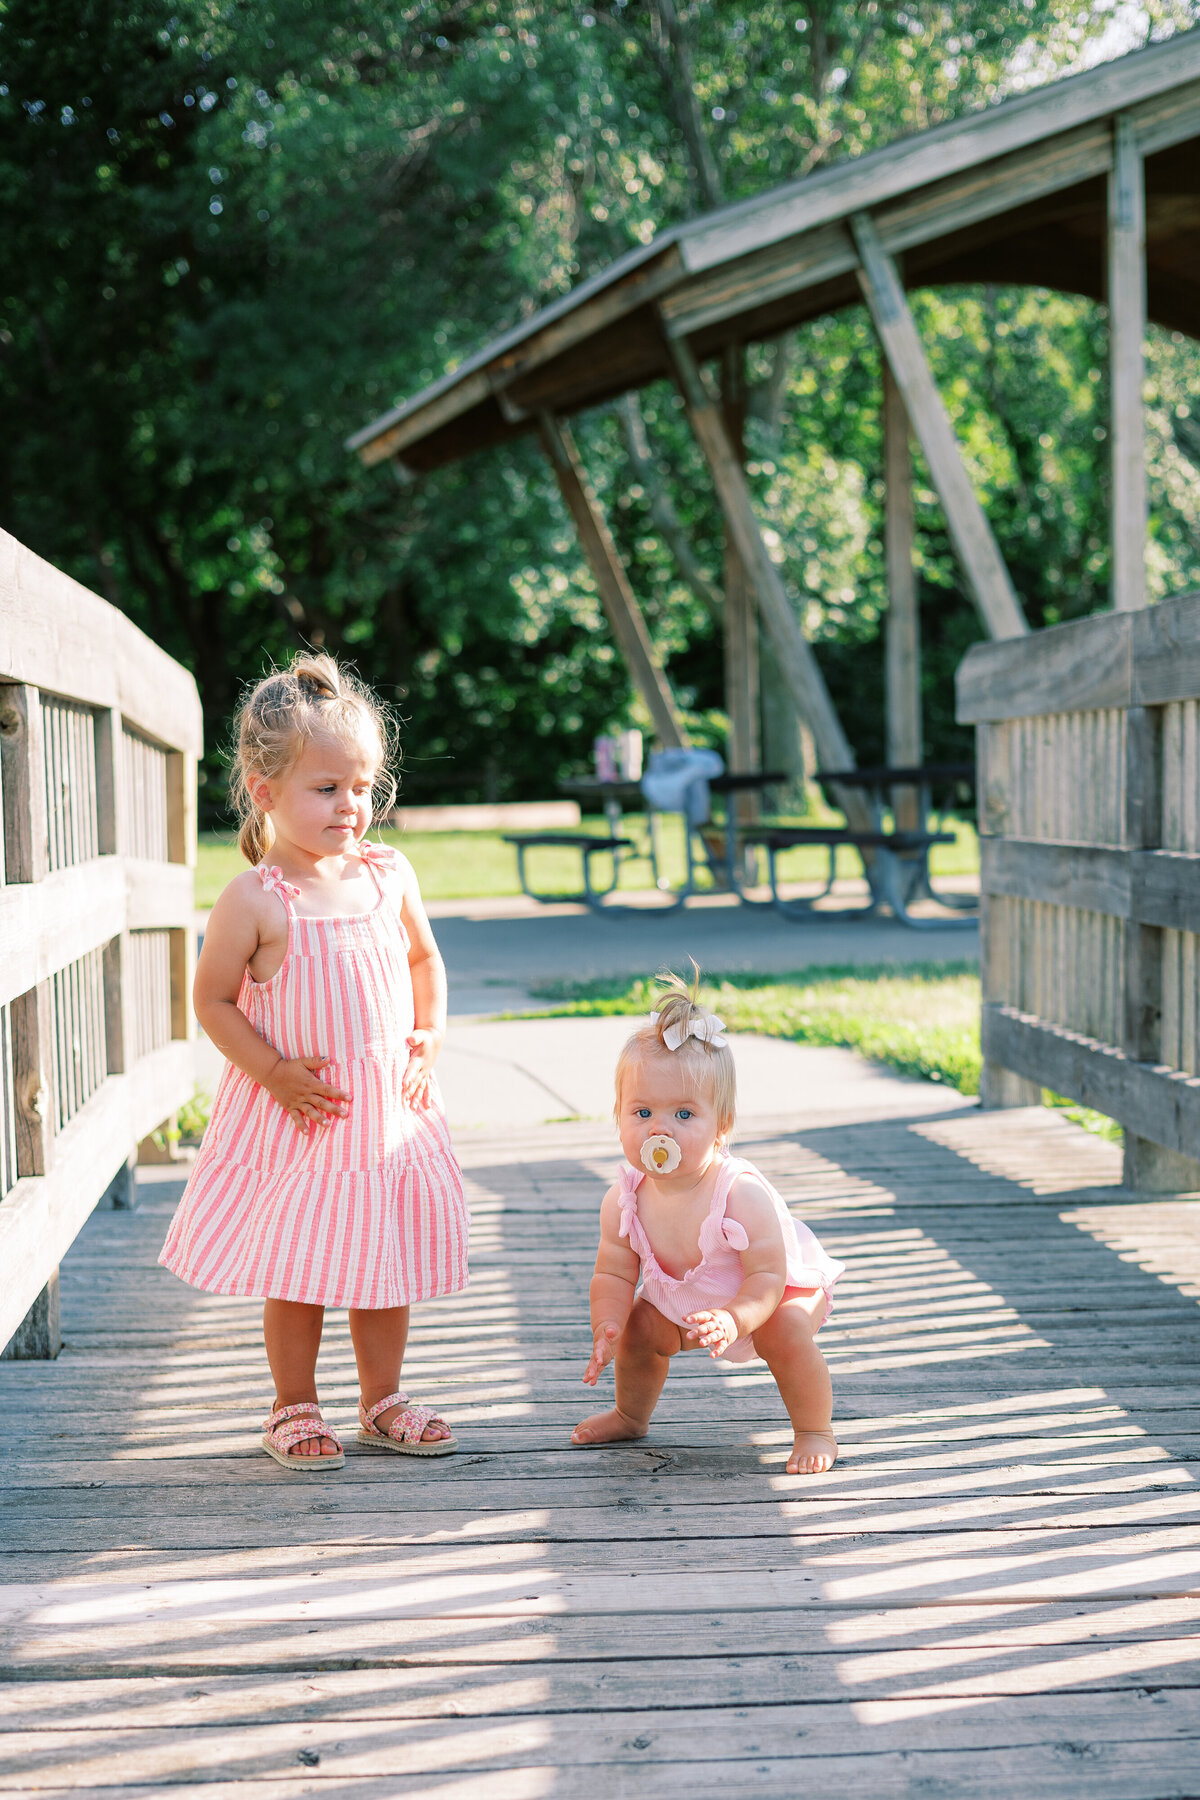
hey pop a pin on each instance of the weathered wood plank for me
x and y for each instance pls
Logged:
(56, 635)
(1081, 666)
(373, 1745)
(1126, 337)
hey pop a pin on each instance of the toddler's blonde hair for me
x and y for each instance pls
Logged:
(711, 1065)
(281, 712)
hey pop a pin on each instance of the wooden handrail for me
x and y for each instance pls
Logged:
(100, 732)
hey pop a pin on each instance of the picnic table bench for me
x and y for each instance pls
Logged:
(895, 868)
(588, 844)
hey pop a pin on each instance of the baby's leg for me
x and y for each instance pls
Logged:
(644, 1353)
(787, 1344)
(292, 1333)
(380, 1337)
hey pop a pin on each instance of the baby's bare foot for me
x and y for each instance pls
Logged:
(812, 1453)
(606, 1428)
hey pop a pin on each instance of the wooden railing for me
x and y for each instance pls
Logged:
(1089, 817)
(99, 736)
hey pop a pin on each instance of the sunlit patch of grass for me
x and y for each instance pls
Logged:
(921, 1019)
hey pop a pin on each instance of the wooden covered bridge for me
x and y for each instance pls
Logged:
(997, 1590)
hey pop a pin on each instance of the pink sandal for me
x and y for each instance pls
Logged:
(404, 1433)
(290, 1425)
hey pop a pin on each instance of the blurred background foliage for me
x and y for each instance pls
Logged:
(236, 230)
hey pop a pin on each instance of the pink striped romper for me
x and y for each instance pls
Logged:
(366, 1211)
(718, 1275)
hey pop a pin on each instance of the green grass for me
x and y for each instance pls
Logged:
(478, 865)
(921, 1019)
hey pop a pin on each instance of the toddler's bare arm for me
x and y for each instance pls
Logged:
(613, 1288)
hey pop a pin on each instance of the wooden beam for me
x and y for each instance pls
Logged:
(903, 642)
(1126, 354)
(616, 595)
(987, 577)
(741, 614)
(796, 659)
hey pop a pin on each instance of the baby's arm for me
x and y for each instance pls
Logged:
(239, 925)
(428, 973)
(613, 1289)
(764, 1270)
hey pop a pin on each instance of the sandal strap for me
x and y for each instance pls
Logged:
(408, 1426)
(290, 1425)
(368, 1415)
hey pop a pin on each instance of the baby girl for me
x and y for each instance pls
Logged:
(722, 1263)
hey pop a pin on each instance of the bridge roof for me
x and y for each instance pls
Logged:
(1013, 193)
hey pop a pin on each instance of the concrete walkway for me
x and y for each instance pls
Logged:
(496, 949)
(537, 1071)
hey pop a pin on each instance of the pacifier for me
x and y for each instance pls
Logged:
(660, 1154)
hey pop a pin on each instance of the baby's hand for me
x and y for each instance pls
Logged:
(302, 1095)
(713, 1331)
(423, 1045)
(604, 1348)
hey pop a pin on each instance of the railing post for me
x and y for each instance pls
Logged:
(26, 843)
(1150, 1167)
(38, 1338)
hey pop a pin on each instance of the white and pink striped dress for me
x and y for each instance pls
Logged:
(366, 1211)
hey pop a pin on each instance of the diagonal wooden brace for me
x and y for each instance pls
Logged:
(796, 660)
(987, 577)
(621, 609)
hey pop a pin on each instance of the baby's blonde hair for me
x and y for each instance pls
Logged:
(710, 1064)
(285, 709)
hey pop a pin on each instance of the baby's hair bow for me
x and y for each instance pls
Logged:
(707, 1027)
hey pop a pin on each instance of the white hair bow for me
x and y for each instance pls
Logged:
(708, 1028)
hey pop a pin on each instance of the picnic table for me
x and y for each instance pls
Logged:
(895, 861)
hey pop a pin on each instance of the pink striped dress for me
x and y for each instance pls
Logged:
(367, 1211)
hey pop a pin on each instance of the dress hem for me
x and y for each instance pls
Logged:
(234, 1291)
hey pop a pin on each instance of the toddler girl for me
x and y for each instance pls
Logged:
(326, 1176)
(722, 1263)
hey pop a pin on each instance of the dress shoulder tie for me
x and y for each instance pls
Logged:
(382, 856)
(273, 883)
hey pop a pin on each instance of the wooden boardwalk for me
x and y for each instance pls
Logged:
(996, 1592)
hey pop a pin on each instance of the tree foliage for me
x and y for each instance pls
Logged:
(236, 231)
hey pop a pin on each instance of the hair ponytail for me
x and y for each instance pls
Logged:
(256, 835)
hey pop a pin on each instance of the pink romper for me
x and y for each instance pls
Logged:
(718, 1275)
(366, 1211)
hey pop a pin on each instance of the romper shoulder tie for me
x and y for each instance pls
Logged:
(734, 1235)
(273, 883)
(629, 1180)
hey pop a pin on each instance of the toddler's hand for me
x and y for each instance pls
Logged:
(713, 1331)
(604, 1348)
(303, 1096)
(423, 1045)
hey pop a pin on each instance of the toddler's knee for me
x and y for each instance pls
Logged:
(647, 1329)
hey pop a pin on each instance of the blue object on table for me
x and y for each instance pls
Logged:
(677, 781)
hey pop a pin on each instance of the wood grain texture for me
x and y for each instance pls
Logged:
(1005, 1561)
(56, 635)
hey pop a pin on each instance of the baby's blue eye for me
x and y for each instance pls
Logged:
(643, 1112)
(683, 1112)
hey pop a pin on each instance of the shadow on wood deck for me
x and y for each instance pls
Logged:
(996, 1592)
